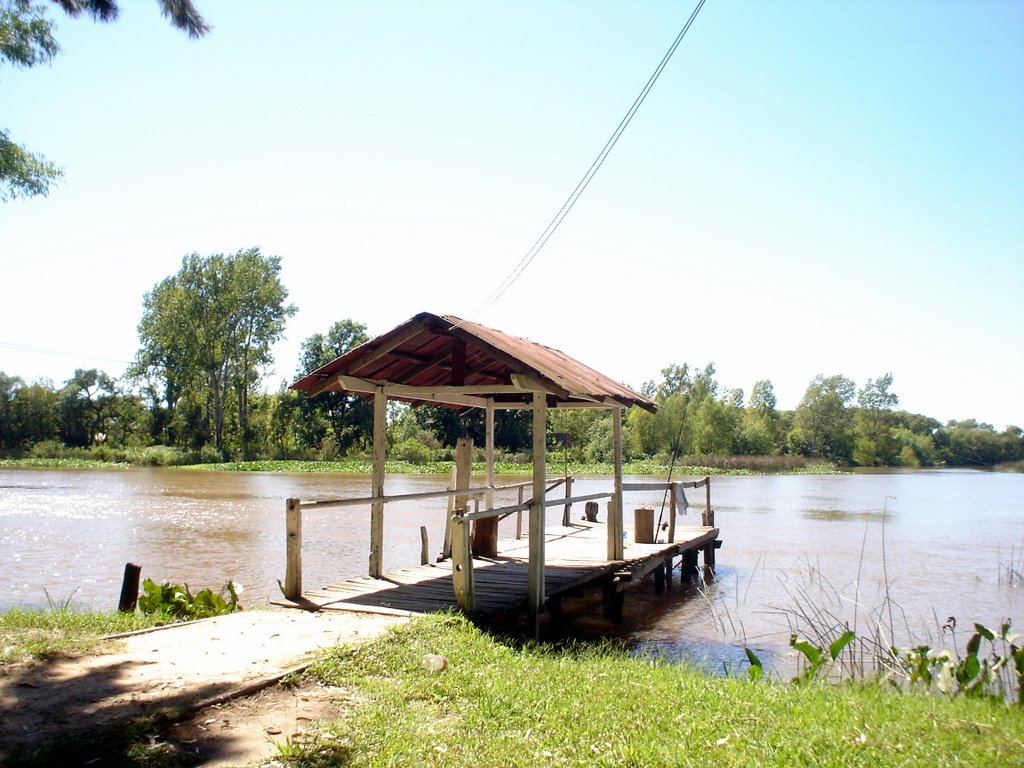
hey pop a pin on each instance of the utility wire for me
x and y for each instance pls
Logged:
(57, 353)
(570, 202)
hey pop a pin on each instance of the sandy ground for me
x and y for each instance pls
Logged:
(179, 667)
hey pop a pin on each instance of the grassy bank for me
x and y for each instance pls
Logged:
(27, 633)
(500, 704)
(708, 465)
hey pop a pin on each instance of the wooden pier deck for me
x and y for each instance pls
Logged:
(574, 560)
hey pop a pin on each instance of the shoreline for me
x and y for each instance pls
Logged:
(364, 467)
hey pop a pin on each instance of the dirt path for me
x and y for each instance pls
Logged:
(178, 667)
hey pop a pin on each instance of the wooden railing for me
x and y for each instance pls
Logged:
(457, 541)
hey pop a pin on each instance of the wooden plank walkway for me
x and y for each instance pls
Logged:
(574, 559)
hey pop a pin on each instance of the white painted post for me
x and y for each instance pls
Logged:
(615, 528)
(293, 550)
(380, 421)
(462, 562)
(489, 450)
(535, 597)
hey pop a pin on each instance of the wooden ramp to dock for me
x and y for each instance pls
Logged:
(573, 561)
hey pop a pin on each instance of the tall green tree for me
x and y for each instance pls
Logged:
(33, 415)
(27, 40)
(823, 422)
(208, 330)
(875, 420)
(349, 418)
(87, 403)
(9, 386)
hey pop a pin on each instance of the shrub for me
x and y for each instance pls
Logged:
(411, 450)
(176, 601)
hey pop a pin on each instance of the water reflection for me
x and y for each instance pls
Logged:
(845, 515)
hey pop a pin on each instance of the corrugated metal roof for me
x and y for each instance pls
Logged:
(443, 352)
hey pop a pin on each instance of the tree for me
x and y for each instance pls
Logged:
(181, 13)
(762, 400)
(208, 330)
(86, 403)
(26, 40)
(349, 418)
(823, 424)
(875, 420)
(759, 434)
(33, 413)
(9, 386)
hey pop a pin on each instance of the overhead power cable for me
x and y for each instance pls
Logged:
(570, 202)
(57, 353)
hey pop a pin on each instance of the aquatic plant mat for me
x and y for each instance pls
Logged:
(499, 702)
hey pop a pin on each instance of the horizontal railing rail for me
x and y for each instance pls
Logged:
(355, 502)
(461, 556)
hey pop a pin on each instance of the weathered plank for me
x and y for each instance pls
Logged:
(574, 559)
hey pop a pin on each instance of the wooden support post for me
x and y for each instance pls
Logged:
(672, 511)
(668, 572)
(519, 515)
(567, 510)
(614, 600)
(424, 546)
(659, 579)
(293, 550)
(709, 549)
(689, 567)
(446, 546)
(615, 529)
(554, 608)
(484, 532)
(380, 422)
(707, 495)
(462, 562)
(129, 588)
(535, 569)
(489, 450)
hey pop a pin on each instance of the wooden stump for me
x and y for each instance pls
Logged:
(643, 525)
(130, 588)
(590, 512)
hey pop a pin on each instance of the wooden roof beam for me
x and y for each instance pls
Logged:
(525, 382)
(393, 343)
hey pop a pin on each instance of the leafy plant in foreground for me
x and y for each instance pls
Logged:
(176, 601)
(816, 657)
(976, 675)
(997, 675)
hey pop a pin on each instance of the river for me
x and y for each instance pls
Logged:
(952, 540)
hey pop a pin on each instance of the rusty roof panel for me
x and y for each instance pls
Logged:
(446, 351)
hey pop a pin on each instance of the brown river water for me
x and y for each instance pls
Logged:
(953, 545)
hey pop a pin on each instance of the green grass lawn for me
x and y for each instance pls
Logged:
(504, 704)
(27, 633)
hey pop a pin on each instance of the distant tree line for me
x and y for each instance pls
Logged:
(194, 394)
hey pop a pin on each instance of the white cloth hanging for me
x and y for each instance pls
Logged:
(681, 503)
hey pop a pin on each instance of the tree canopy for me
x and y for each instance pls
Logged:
(27, 40)
(206, 334)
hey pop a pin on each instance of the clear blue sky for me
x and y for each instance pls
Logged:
(809, 188)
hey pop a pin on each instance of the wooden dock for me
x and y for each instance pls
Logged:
(574, 561)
